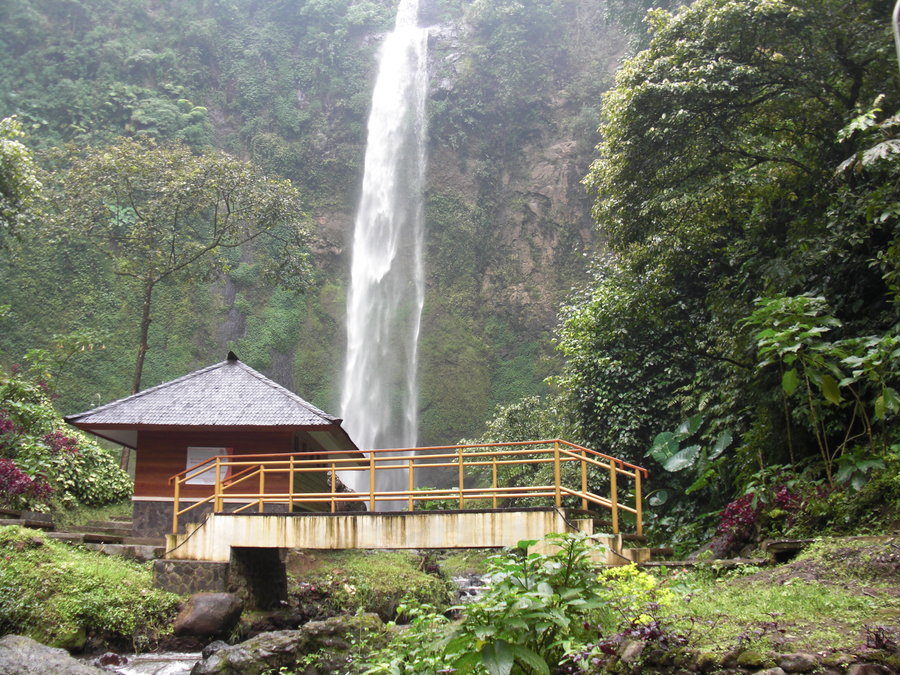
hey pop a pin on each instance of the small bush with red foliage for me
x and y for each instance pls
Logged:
(60, 444)
(18, 489)
(740, 517)
(787, 500)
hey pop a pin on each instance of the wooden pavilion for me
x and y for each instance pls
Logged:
(224, 409)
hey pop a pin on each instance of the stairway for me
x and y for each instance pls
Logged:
(111, 537)
(622, 548)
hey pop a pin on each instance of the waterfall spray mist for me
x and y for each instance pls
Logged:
(387, 288)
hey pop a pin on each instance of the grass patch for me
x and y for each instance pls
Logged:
(807, 614)
(341, 582)
(59, 595)
(826, 596)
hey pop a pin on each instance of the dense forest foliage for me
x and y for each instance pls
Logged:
(740, 335)
(736, 331)
(285, 86)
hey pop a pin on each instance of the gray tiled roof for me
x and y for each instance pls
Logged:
(229, 393)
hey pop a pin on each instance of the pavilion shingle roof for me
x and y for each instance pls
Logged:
(229, 393)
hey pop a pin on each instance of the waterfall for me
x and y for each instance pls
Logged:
(387, 288)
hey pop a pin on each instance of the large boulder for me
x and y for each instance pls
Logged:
(331, 640)
(209, 614)
(20, 655)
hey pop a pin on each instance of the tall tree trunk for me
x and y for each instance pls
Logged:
(145, 329)
(125, 456)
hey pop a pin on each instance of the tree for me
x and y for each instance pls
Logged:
(162, 211)
(19, 184)
(715, 185)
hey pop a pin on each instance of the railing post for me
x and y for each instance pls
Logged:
(639, 516)
(217, 502)
(613, 496)
(262, 488)
(333, 487)
(371, 480)
(584, 484)
(291, 485)
(556, 476)
(462, 498)
(494, 478)
(175, 511)
(412, 482)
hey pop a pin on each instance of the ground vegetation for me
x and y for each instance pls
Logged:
(62, 596)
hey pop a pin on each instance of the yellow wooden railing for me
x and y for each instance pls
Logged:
(243, 478)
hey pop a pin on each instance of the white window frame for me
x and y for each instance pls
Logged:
(195, 455)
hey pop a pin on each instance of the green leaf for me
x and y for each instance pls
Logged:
(790, 381)
(664, 446)
(891, 400)
(689, 426)
(880, 407)
(722, 442)
(830, 390)
(658, 498)
(497, 657)
(534, 661)
(683, 459)
(843, 474)
(467, 662)
(701, 482)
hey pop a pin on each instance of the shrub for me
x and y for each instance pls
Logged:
(77, 469)
(634, 593)
(19, 490)
(535, 610)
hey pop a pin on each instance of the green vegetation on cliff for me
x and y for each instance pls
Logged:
(513, 108)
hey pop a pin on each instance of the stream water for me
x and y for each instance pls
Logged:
(384, 307)
(162, 663)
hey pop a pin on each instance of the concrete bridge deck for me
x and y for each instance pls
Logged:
(215, 537)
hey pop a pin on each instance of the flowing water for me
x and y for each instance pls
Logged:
(384, 308)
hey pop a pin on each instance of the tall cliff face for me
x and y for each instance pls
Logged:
(515, 98)
(515, 101)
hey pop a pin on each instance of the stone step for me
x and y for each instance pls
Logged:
(68, 537)
(637, 538)
(144, 541)
(108, 525)
(110, 531)
(122, 519)
(662, 551)
(100, 538)
(33, 524)
(9, 513)
(130, 551)
(637, 554)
